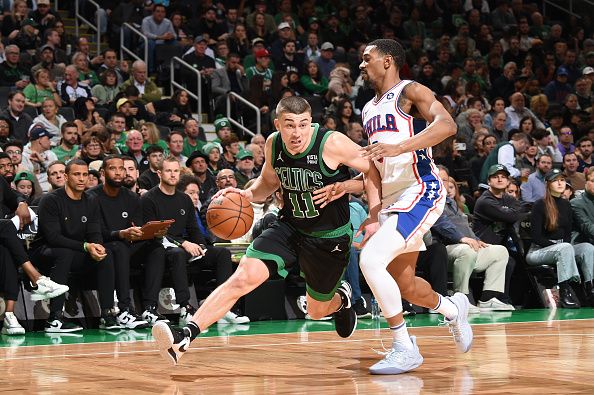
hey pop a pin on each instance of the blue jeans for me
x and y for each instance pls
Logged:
(352, 274)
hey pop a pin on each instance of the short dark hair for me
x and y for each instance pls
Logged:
(227, 141)
(108, 158)
(128, 157)
(68, 124)
(4, 155)
(154, 148)
(75, 162)
(539, 134)
(175, 132)
(579, 142)
(52, 164)
(13, 143)
(292, 105)
(186, 180)
(391, 47)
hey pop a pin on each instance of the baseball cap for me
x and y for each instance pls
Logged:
(243, 154)
(46, 46)
(121, 102)
(199, 39)
(194, 155)
(591, 53)
(257, 40)
(38, 133)
(24, 175)
(29, 22)
(46, 2)
(327, 46)
(312, 19)
(553, 175)
(284, 25)
(562, 71)
(262, 53)
(588, 70)
(222, 123)
(589, 42)
(496, 168)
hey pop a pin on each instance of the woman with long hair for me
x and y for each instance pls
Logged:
(11, 24)
(344, 115)
(85, 74)
(259, 30)
(539, 104)
(43, 87)
(85, 115)
(313, 81)
(238, 41)
(107, 90)
(527, 125)
(174, 111)
(454, 194)
(551, 224)
(151, 136)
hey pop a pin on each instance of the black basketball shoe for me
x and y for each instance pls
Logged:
(172, 342)
(345, 319)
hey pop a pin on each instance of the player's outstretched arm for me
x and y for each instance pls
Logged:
(441, 125)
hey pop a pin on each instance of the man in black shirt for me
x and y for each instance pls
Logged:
(149, 178)
(70, 237)
(120, 214)
(198, 163)
(183, 237)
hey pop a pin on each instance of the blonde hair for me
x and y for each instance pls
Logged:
(153, 132)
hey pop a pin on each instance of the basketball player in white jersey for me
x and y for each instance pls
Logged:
(413, 198)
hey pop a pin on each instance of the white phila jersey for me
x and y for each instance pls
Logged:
(407, 177)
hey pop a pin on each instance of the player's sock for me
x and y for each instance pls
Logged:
(446, 307)
(191, 330)
(400, 335)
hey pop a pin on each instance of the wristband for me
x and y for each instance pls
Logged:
(85, 246)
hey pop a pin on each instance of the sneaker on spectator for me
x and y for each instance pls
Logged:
(59, 325)
(11, 325)
(152, 316)
(130, 320)
(185, 315)
(361, 310)
(345, 319)
(47, 289)
(231, 318)
(109, 322)
(172, 342)
(495, 304)
(399, 359)
(472, 309)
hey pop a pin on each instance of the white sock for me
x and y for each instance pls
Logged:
(400, 335)
(447, 308)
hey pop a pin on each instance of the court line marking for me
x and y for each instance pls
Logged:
(298, 333)
(261, 345)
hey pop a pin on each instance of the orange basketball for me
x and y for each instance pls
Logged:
(230, 216)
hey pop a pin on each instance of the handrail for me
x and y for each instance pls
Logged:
(571, 10)
(123, 47)
(97, 27)
(247, 103)
(173, 83)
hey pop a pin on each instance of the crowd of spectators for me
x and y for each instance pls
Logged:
(517, 83)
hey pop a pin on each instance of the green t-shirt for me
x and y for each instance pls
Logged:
(64, 155)
(35, 95)
(161, 144)
(121, 142)
(188, 148)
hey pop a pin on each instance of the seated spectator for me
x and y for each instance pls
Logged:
(261, 68)
(159, 31)
(183, 238)
(557, 89)
(148, 90)
(344, 115)
(134, 150)
(467, 254)
(129, 111)
(483, 144)
(50, 120)
(193, 132)
(551, 226)
(44, 16)
(172, 112)
(582, 208)
(325, 61)
(290, 60)
(544, 145)
(469, 123)
(5, 130)
(107, 88)
(217, 258)
(534, 188)
(313, 81)
(19, 121)
(238, 41)
(83, 45)
(539, 104)
(583, 90)
(182, 33)
(513, 189)
(245, 168)
(11, 24)
(131, 177)
(57, 58)
(151, 136)
(28, 36)
(110, 62)
(498, 129)
(175, 145)
(35, 93)
(355, 132)
(117, 127)
(565, 145)
(67, 147)
(94, 179)
(14, 149)
(503, 86)
(91, 149)
(198, 163)
(85, 74)
(505, 153)
(65, 243)
(570, 172)
(71, 89)
(231, 148)
(213, 151)
(85, 116)
(24, 183)
(224, 178)
(527, 161)
(55, 176)
(37, 156)
(149, 178)
(340, 83)
(517, 110)
(584, 150)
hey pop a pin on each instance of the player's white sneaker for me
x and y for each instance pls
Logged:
(232, 318)
(399, 359)
(459, 327)
(172, 342)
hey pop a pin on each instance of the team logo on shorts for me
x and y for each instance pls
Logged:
(124, 214)
(83, 219)
(390, 96)
(182, 211)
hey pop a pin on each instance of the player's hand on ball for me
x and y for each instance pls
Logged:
(329, 193)
(369, 226)
(380, 150)
(243, 192)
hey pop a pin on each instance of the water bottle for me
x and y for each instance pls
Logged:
(375, 309)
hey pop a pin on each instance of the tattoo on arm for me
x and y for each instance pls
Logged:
(406, 104)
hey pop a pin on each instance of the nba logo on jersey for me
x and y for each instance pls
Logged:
(312, 159)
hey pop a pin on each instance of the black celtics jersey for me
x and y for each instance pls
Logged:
(300, 175)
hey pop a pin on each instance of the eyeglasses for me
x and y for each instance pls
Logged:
(15, 152)
(566, 133)
(93, 146)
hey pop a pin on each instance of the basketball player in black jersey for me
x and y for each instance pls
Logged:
(300, 158)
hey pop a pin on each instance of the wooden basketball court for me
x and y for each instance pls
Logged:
(516, 357)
